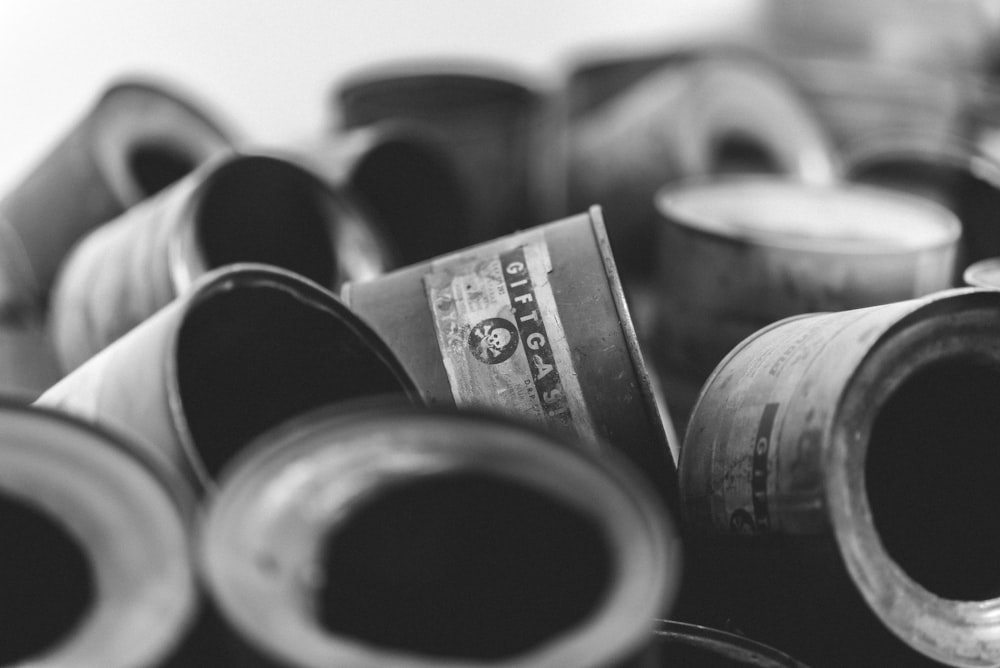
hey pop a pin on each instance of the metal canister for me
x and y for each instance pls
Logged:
(533, 324)
(235, 208)
(874, 427)
(243, 348)
(418, 538)
(685, 644)
(949, 170)
(405, 182)
(495, 123)
(140, 136)
(983, 274)
(96, 565)
(738, 253)
(687, 120)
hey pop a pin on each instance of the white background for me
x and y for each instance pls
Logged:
(267, 65)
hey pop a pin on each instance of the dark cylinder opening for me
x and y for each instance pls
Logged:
(265, 210)
(738, 154)
(46, 583)
(681, 654)
(462, 565)
(417, 198)
(156, 166)
(249, 358)
(931, 478)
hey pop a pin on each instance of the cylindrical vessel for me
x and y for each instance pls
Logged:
(685, 644)
(492, 121)
(738, 253)
(245, 347)
(983, 274)
(534, 325)
(422, 538)
(877, 427)
(405, 181)
(685, 120)
(96, 567)
(139, 137)
(951, 171)
(236, 208)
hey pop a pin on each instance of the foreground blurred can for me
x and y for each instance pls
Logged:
(418, 538)
(139, 137)
(533, 324)
(404, 180)
(876, 426)
(738, 253)
(493, 122)
(951, 171)
(245, 347)
(687, 119)
(96, 568)
(684, 644)
(236, 208)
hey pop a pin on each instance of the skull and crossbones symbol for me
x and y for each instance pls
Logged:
(493, 341)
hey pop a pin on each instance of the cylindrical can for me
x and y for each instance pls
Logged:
(422, 538)
(983, 274)
(139, 137)
(738, 253)
(245, 347)
(493, 121)
(951, 171)
(96, 567)
(235, 208)
(533, 324)
(876, 426)
(687, 120)
(404, 180)
(685, 644)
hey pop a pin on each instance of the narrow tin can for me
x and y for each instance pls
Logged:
(399, 537)
(874, 426)
(246, 346)
(534, 325)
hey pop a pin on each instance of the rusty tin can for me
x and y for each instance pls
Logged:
(688, 120)
(875, 426)
(738, 253)
(246, 346)
(97, 566)
(140, 136)
(419, 538)
(405, 182)
(235, 208)
(534, 325)
(495, 123)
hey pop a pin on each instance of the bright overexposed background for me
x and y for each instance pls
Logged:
(268, 65)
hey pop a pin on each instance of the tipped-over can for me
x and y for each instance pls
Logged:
(96, 567)
(235, 208)
(877, 427)
(139, 137)
(417, 538)
(534, 325)
(247, 346)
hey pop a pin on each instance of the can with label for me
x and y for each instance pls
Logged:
(96, 568)
(235, 208)
(245, 347)
(534, 325)
(140, 136)
(396, 537)
(875, 427)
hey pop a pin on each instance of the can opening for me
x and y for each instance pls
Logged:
(258, 209)
(739, 154)
(415, 196)
(462, 565)
(156, 166)
(248, 359)
(931, 478)
(46, 583)
(683, 654)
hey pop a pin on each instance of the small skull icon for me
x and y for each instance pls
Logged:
(493, 340)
